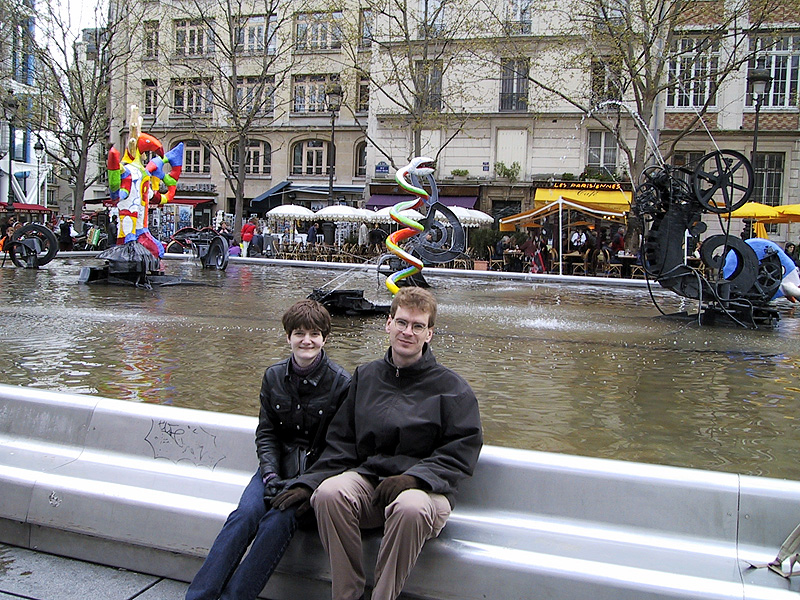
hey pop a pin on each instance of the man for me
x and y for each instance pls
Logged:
(407, 433)
(311, 236)
(66, 232)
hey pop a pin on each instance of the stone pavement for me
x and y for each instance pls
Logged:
(29, 575)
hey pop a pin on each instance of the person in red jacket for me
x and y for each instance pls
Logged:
(248, 229)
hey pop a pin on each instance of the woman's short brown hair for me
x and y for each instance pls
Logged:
(307, 314)
(415, 298)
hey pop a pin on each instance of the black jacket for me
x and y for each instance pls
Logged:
(290, 415)
(420, 420)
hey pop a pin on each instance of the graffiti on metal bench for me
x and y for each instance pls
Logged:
(183, 442)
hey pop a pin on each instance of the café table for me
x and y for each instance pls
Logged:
(627, 261)
(569, 260)
(512, 260)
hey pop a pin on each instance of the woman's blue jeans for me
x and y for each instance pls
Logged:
(224, 575)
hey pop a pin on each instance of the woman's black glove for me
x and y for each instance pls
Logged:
(273, 485)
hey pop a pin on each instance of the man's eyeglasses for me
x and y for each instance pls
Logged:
(402, 324)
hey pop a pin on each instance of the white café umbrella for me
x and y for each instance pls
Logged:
(342, 214)
(467, 216)
(480, 217)
(291, 211)
(382, 216)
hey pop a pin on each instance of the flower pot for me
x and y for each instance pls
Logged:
(480, 265)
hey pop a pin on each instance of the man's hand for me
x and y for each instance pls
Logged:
(296, 495)
(391, 487)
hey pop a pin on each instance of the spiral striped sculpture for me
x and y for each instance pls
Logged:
(419, 166)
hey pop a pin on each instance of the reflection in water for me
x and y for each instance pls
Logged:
(573, 369)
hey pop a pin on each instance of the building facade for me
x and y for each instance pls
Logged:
(507, 96)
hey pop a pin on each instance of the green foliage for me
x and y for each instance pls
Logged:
(480, 239)
(568, 177)
(511, 173)
(459, 172)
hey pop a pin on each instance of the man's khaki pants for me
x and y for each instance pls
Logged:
(343, 505)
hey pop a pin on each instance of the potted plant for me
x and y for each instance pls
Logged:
(503, 172)
(460, 173)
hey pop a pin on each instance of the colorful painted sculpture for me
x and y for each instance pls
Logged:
(428, 241)
(134, 185)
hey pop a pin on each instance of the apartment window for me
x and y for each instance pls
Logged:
(361, 160)
(429, 84)
(606, 80)
(258, 160)
(310, 157)
(768, 184)
(191, 96)
(150, 104)
(309, 93)
(255, 34)
(255, 94)
(196, 157)
(318, 31)
(514, 85)
(192, 38)
(781, 57)
(693, 72)
(768, 171)
(519, 17)
(366, 22)
(431, 17)
(362, 102)
(602, 151)
(687, 160)
(151, 39)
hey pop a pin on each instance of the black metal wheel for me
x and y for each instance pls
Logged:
(33, 239)
(770, 275)
(174, 247)
(723, 181)
(218, 253)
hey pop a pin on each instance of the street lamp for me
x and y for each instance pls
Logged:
(333, 95)
(38, 150)
(759, 80)
(10, 106)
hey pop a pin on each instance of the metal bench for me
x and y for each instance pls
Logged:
(147, 488)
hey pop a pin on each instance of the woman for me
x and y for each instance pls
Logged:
(248, 230)
(299, 397)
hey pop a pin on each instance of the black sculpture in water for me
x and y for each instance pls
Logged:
(671, 201)
(32, 246)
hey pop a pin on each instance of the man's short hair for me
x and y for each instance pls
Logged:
(415, 298)
(307, 314)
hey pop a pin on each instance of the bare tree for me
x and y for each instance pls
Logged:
(631, 55)
(246, 46)
(73, 85)
(418, 67)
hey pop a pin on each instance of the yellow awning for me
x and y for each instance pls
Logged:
(611, 200)
(523, 218)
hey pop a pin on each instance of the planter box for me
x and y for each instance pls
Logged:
(480, 265)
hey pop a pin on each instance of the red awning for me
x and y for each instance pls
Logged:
(191, 201)
(26, 207)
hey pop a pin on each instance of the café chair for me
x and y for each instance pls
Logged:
(584, 267)
(494, 262)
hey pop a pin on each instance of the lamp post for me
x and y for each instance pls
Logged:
(10, 105)
(333, 95)
(759, 80)
(38, 149)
